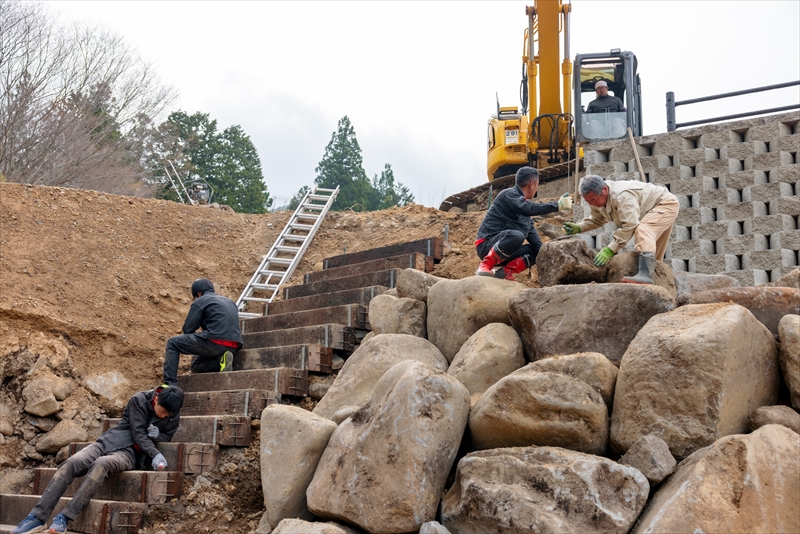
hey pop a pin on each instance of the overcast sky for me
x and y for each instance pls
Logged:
(418, 79)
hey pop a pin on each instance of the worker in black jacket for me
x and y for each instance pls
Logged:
(508, 223)
(150, 417)
(213, 347)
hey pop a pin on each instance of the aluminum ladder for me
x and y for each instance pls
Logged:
(284, 256)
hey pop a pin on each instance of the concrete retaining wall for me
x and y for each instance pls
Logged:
(738, 184)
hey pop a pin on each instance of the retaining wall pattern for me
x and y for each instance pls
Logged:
(738, 184)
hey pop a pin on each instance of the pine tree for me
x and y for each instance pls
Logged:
(387, 193)
(342, 166)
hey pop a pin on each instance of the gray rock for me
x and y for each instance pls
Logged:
(299, 526)
(111, 386)
(39, 400)
(15, 481)
(318, 390)
(696, 282)
(567, 261)
(414, 284)
(392, 315)
(544, 490)
(650, 455)
(7, 418)
(775, 415)
(790, 279)
(789, 356)
(433, 527)
(489, 354)
(63, 434)
(602, 318)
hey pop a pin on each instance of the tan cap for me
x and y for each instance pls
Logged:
(601, 83)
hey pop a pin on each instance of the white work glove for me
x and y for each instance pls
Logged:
(565, 202)
(159, 462)
(152, 432)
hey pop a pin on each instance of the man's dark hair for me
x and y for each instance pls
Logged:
(202, 285)
(170, 398)
(526, 175)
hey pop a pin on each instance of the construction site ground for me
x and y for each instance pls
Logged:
(109, 276)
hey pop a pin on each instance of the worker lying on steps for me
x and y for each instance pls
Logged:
(212, 348)
(150, 417)
(646, 211)
(508, 223)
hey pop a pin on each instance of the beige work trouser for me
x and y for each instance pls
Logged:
(652, 233)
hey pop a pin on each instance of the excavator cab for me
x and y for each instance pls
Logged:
(618, 69)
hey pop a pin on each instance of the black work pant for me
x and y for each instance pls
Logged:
(205, 355)
(508, 245)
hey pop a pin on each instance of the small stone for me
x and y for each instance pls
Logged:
(650, 455)
(775, 415)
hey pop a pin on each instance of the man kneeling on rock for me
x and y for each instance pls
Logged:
(508, 223)
(641, 210)
(150, 417)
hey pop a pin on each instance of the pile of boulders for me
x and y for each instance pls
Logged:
(480, 405)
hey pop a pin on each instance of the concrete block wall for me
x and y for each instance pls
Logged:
(738, 184)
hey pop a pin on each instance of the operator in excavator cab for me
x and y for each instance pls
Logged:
(508, 223)
(604, 126)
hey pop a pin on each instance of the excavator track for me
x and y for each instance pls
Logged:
(477, 198)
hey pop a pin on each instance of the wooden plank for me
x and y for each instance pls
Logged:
(432, 246)
(378, 278)
(188, 457)
(245, 402)
(315, 358)
(281, 380)
(414, 260)
(99, 516)
(361, 295)
(335, 336)
(151, 487)
(352, 315)
(225, 430)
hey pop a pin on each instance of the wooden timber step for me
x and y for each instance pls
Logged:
(335, 336)
(315, 358)
(99, 516)
(244, 402)
(352, 315)
(361, 295)
(386, 278)
(432, 246)
(150, 487)
(414, 260)
(225, 430)
(189, 457)
(281, 380)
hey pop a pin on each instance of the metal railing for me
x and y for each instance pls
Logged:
(672, 125)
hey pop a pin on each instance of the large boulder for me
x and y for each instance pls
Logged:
(543, 490)
(362, 370)
(775, 415)
(602, 318)
(651, 456)
(489, 354)
(741, 483)
(393, 315)
(768, 304)
(529, 407)
(459, 308)
(64, 433)
(414, 284)
(591, 367)
(385, 467)
(697, 282)
(299, 526)
(292, 441)
(789, 357)
(692, 376)
(627, 264)
(790, 279)
(567, 261)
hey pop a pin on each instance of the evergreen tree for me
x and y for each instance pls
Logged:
(387, 193)
(298, 197)
(342, 166)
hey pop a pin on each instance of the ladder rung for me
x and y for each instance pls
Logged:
(313, 206)
(271, 273)
(312, 216)
(255, 299)
(281, 261)
(248, 315)
(308, 227)
(284, 248)
(264, 287)
(293, 237)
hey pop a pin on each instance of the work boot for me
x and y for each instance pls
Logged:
(647, 262)
(488, 263)
(226, 362)
(517, 265)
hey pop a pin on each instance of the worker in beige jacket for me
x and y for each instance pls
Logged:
(646, 211)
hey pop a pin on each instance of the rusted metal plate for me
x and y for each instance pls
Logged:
(432, 246)
(361, 295)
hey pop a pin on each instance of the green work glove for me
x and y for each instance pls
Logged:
(565, 202)
(571, 228)
(603, 256)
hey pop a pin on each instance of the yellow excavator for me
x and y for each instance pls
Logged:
(545, 131)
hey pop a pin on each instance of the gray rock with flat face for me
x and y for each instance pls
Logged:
(741, 483)
(459, 308)
(489, 354)
(627, 264)
(362, 370)
(414, 284)
(789, 357)
(650, 455)
(7, 418)
(602, 318)
(299, 526)
(433, 527)
(39, 399)
(385, 467)
(545, 490)
(591, 367)
(692, 376)
(529, 407)
(697, 282)
(567, 261)
(64, 433)
(292, 441)
(393, 315)
(775, 415)
(790, 279)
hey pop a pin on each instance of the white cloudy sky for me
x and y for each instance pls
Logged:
(418, 79)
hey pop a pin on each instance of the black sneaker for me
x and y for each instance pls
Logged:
(226, 362)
